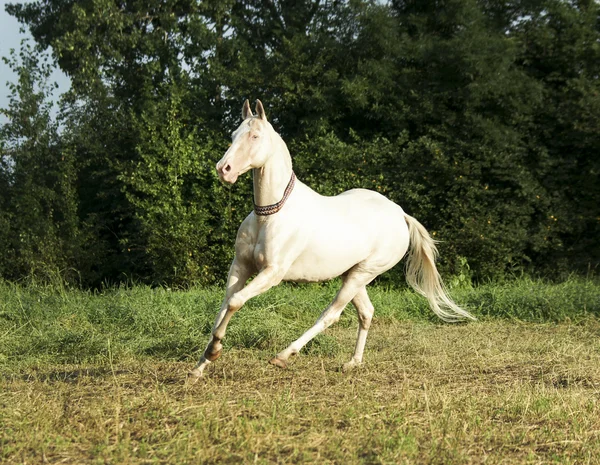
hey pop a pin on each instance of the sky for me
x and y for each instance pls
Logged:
(10, 37)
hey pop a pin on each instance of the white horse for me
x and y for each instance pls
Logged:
(295, 234)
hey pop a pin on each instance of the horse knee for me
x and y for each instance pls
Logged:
(365, 322)
(365, 317)
(235, 303)
(332, 319)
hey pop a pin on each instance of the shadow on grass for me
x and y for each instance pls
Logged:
(64, 376)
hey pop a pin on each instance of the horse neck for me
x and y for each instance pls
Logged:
(272, 178)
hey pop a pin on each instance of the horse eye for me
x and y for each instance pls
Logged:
(255, 136)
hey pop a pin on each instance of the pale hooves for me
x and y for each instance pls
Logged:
(194, 375)
(351, 365)
(278, 362)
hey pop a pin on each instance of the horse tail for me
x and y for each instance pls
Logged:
(423, 276)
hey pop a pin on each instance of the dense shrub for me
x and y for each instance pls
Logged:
(480, 119)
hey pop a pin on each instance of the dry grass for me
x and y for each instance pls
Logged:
(492, 392)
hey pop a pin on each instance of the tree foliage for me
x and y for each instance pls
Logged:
(480, 118)
(38, 207)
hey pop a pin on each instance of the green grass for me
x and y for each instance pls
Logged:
(70, 326)
(100, 378)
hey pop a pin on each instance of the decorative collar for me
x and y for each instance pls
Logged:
(272, 209)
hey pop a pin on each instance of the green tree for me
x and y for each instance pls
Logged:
(439, 78)
(122, 59)
(169, 185)
(561, 50)
(479, 117)
(39, 207)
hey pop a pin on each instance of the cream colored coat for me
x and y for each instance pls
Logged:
(358, 235)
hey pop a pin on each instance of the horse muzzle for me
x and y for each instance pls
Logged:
(226, 172)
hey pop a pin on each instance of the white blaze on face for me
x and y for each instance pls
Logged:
(231, 166)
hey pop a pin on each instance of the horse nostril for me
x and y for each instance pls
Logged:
(227, 168)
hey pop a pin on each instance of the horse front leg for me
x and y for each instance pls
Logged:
(237, 295)
(238, 275)
(267, 278)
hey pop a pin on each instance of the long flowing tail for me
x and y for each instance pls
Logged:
(423, 276)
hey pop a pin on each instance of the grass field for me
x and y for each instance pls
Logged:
(100, 378)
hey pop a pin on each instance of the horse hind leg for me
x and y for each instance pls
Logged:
(365, 311)
(353, 282)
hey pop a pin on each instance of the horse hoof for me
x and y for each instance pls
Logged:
(351, 365)
(278, 362)
(194, 375)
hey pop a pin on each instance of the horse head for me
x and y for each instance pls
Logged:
(250, 145)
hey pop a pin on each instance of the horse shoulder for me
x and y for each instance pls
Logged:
(246, 239)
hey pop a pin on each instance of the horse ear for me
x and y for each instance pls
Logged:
(260, 111)
(246, 112)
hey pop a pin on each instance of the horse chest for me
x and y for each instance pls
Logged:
(268, 253)
(273, 243)
(260, 258)
(265, 249)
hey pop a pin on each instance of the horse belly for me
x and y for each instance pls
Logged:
(321, 264)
